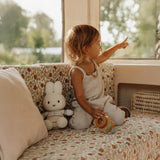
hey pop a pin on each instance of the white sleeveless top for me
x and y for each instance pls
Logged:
(93, 89)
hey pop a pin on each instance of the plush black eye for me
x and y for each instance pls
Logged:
(58, 101)
(48, 102)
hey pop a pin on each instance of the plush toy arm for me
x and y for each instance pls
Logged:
(59, 112)
(68, 112)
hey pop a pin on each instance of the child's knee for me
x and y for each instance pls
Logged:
(79, 123)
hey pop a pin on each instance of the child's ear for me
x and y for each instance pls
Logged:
(85, 49)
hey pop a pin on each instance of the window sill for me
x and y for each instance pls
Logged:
(133, 62)
(141, 73)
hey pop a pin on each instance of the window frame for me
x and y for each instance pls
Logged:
(138, 59)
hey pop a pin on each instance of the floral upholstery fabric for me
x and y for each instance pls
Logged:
(137, 139)
(36, 76)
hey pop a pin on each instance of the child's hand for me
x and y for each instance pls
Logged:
(123, 44)
(97, 113)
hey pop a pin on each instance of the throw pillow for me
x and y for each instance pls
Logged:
(21, 123)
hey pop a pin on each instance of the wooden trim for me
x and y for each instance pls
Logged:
(88, 12)
(63, 29)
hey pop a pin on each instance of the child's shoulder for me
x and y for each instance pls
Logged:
(76, 71)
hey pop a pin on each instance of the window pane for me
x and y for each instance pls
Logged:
(133, 18)
(30, 31)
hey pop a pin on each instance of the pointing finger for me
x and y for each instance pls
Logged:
(125, 39)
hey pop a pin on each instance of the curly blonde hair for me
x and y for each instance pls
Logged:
(78, 37)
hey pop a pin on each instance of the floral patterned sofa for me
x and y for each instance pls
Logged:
(137, 139)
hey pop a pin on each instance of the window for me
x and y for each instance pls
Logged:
(137, 19)
(30, 31)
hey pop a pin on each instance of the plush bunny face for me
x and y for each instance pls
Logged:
(54, 100)
(56, 103)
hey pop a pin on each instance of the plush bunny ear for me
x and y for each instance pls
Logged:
(58, 87)
(49, 88)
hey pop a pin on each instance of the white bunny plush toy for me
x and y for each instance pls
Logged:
(54, 103)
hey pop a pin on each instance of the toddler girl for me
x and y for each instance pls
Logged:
(83, 46)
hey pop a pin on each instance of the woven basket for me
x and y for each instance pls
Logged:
(146, 101)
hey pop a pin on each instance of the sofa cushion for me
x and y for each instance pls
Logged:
(21, 123)
(36, 76)
(137, 139)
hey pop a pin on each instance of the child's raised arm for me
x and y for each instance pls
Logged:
(109, 52)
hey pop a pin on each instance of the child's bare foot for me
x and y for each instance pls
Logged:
(126, 110)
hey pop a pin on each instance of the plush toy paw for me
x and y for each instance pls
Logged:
(48, 124)
(68, 112)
